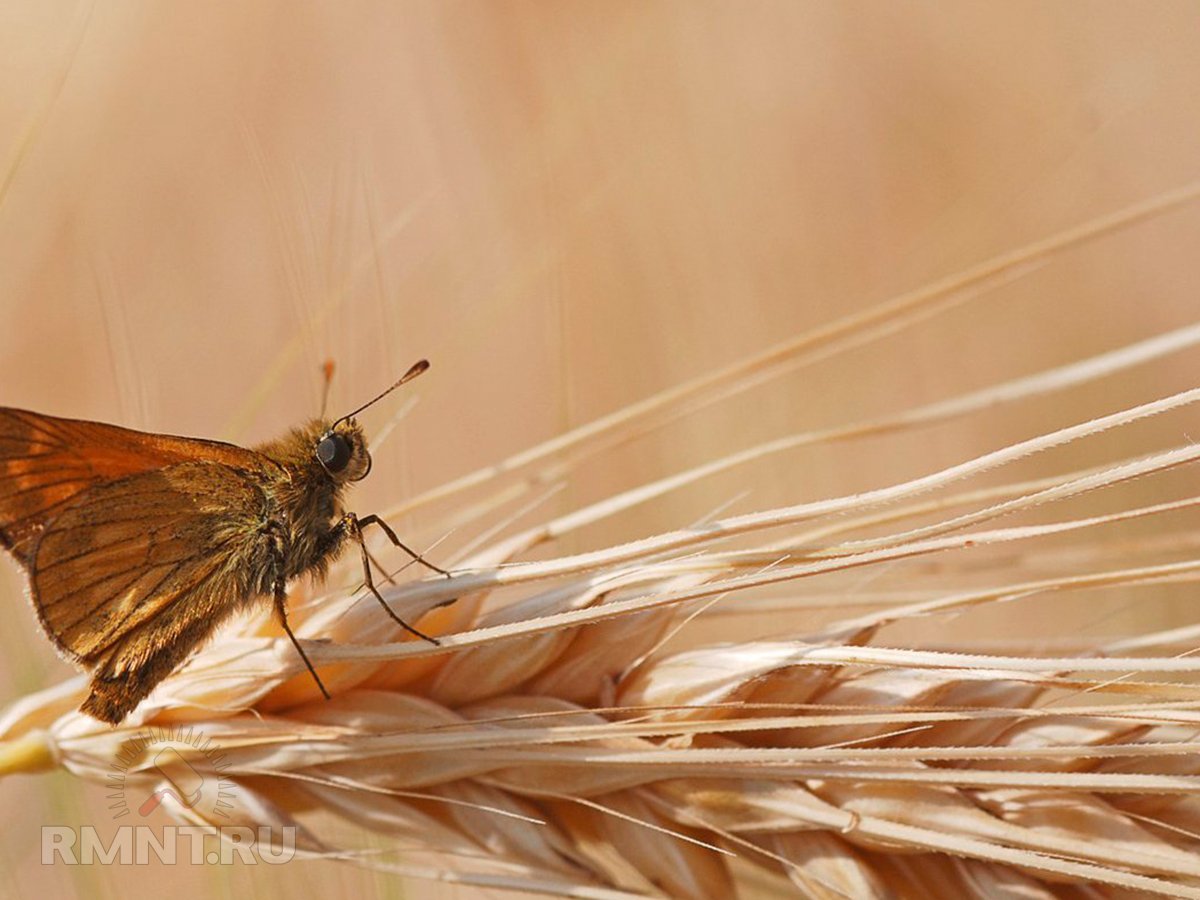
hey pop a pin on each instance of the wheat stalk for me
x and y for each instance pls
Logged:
(566, 736)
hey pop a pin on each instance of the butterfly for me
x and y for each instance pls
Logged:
(137, 546)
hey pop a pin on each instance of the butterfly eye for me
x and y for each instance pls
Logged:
(367, 471)
(333, 452)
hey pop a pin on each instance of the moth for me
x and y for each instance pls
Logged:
(137, 546)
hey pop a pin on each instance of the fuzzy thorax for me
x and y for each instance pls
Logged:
(307, 496)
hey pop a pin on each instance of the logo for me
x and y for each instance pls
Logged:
(181, 769)
(171, 774)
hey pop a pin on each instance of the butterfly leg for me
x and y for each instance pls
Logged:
(281, 613)
(354, 526)
(386, 576)
(387, 529)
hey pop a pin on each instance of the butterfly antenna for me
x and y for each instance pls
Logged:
(416, 369)
(327, 372)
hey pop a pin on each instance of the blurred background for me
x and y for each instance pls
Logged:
(566, 207)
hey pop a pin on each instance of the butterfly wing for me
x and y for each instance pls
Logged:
(46, 461)
(133, 574)
(136, 545)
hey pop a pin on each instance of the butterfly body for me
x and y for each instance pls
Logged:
(139, 546)
(304, 500)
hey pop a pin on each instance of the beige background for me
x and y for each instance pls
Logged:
(565, 206)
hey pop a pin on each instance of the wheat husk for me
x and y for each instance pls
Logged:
(566, 736)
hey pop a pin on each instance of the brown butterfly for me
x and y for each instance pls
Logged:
(137, 546)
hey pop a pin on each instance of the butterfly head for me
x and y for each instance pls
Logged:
(341, 449)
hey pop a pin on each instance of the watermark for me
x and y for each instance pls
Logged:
(182, 769)
(170, 751)
(137, 845)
